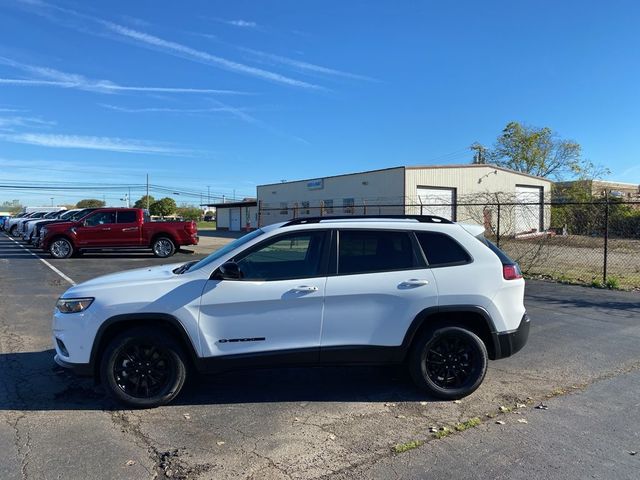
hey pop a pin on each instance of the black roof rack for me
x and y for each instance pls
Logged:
(419, 218)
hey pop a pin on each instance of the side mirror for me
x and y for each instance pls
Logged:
(228, 271)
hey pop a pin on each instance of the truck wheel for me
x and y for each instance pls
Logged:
(61, 248)
(142, 367)
(163, 247)
(13, 231)
(448, 362)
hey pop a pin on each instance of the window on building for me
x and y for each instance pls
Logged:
(328, 206)
(284, 208)
(362, 251)
(348, 205)
(305, 208)
(442, 250)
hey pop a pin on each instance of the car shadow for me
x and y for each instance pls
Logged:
(32, 381)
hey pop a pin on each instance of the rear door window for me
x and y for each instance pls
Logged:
(441, 250)
(127, 216)
(369, 251)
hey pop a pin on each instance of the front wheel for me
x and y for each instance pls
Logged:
(144, 368)
(163, 247)
(61, 248)
(449, 362)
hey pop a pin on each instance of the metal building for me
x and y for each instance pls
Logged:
(236, 216)
(465, 193)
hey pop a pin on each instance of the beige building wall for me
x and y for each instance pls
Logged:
(358, 194)
(481, 185)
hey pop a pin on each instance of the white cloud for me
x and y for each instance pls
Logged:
(112, 144)
(57, 78)
(163, 109)
(306, 66)
(184, 51)
(7, 123)
(241, 23)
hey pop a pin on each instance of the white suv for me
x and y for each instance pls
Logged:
(318, 291)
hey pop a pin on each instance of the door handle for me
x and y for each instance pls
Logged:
(105, 229)
(305, 288)
(129, 229)
(414, 282)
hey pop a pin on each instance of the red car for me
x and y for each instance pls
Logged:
(114, 228)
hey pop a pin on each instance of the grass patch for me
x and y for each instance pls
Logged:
(405, 447)
(471, 423)
(444, 432)
(612, 283)
(206, 225)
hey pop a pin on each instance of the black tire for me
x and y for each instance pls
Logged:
(61, 248)
(161, 356)
(448, 362)
(163, 247)
(13, 230)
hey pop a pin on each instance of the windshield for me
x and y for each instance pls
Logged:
(68, 214)
(226, 249)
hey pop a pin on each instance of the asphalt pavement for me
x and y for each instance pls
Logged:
(582, 361)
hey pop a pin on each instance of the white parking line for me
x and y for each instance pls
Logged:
(43, 261)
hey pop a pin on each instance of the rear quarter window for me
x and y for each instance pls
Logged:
(441, 250)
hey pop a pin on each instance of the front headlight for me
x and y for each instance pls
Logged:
(73, 305)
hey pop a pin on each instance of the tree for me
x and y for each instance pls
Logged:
(190, 213)
(163, 207)
(90, 203)
(541, 152)
(142, 202)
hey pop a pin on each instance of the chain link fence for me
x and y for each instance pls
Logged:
(593, 243)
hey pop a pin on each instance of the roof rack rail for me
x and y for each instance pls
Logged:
(419, 218)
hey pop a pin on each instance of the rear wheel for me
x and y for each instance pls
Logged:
(448, 362)
(142, 367)
(163, 247)
(61, 248)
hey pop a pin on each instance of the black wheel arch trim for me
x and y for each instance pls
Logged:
(185, 339)
(429, 312)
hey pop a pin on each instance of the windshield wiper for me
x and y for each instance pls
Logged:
(183, 268)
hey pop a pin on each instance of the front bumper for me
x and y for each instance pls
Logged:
(80, 369)
(508, 343)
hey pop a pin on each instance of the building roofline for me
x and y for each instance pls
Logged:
(478, 165)
(331, 176)
(410, 167)
(251, 203)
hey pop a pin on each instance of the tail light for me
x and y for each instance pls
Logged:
(191, 227)
(511, 272)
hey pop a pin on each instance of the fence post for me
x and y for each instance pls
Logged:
(498, 228)
(606, 237)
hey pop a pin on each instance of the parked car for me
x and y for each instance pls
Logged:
(11, 225)
(68, 216)
(25, 228)
(3, 219)
(117, 228)
(18, 228)
(423, 291)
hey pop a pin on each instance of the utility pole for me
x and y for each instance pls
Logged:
(208, 193)
(147, 192)
(52, 201)
(129, 198)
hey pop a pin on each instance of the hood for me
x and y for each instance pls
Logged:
(137, 276)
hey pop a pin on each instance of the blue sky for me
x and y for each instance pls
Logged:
(222, 96)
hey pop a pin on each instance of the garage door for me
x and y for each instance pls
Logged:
(528, 208)
(234, 219)
(437, 201)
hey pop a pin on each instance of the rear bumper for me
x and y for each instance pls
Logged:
(508, 343)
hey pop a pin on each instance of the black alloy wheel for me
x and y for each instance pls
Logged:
(143, 368)
(449, 362)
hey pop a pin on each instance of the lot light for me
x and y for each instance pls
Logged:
(73, 305)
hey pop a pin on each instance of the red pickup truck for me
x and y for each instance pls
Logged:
(114, 228)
